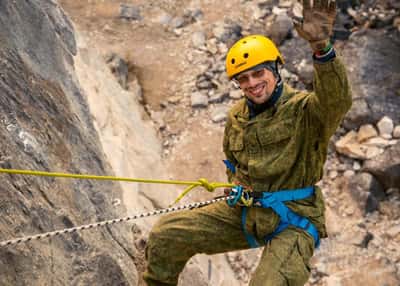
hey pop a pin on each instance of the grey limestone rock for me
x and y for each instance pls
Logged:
(45, 124)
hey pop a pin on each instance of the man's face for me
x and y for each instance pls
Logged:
(257, 85)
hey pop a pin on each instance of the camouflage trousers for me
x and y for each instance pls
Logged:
(217, 228)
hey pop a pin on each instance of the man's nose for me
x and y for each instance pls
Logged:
(252, 81)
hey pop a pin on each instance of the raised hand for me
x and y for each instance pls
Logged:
(316, 23)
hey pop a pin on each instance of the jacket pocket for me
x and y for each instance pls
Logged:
(236, 140)
(276, 132)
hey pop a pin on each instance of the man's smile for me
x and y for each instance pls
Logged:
(258, 90)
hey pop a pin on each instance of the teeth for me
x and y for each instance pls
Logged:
(258, 89)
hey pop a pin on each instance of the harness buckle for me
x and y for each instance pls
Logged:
(241, 197)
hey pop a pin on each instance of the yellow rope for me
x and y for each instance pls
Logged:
(210, 187)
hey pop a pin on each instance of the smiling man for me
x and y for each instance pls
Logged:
(276, 142)
(253, 64)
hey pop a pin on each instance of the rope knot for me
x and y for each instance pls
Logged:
(207, 185)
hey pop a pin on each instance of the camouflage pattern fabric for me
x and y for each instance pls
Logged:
(284, 147)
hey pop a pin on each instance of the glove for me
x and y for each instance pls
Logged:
(316, 23)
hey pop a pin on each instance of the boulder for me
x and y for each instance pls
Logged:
(385, 127)
(386, 167)
(227, 32)
(219, 114)
(349, 146)
(199, 100)
(366, 131)
(367, 191)
(377, 142)
(280, 29)
(129, 12)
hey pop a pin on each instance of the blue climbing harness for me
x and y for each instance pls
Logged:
(274, 201)
(287, 217)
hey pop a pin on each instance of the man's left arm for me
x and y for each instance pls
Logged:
(331, 87)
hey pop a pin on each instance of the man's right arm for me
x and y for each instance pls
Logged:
(228, 154)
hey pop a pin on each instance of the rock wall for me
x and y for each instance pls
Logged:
(45, 124)
(130, 142)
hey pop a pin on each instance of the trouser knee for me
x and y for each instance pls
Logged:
(165, 259)
(157, 242)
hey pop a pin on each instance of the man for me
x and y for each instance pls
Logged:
(276, 142)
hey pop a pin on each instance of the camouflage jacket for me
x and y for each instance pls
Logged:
(285, 147)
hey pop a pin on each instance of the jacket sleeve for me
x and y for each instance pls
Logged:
(228, 154)
(332, 94)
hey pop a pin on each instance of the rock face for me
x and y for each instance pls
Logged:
(375, 93)
(119, 68)
(130, 144)
(45, 124)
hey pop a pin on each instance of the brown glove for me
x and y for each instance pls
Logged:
(316, 23)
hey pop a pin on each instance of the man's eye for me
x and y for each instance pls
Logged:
(259, 73)
(242, 79)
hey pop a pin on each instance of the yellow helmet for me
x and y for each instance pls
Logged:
(249, 52)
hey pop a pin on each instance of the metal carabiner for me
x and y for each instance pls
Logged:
(236, 192)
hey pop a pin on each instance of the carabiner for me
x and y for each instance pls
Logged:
(237, 192)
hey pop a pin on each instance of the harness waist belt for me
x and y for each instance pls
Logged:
(287, 217)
